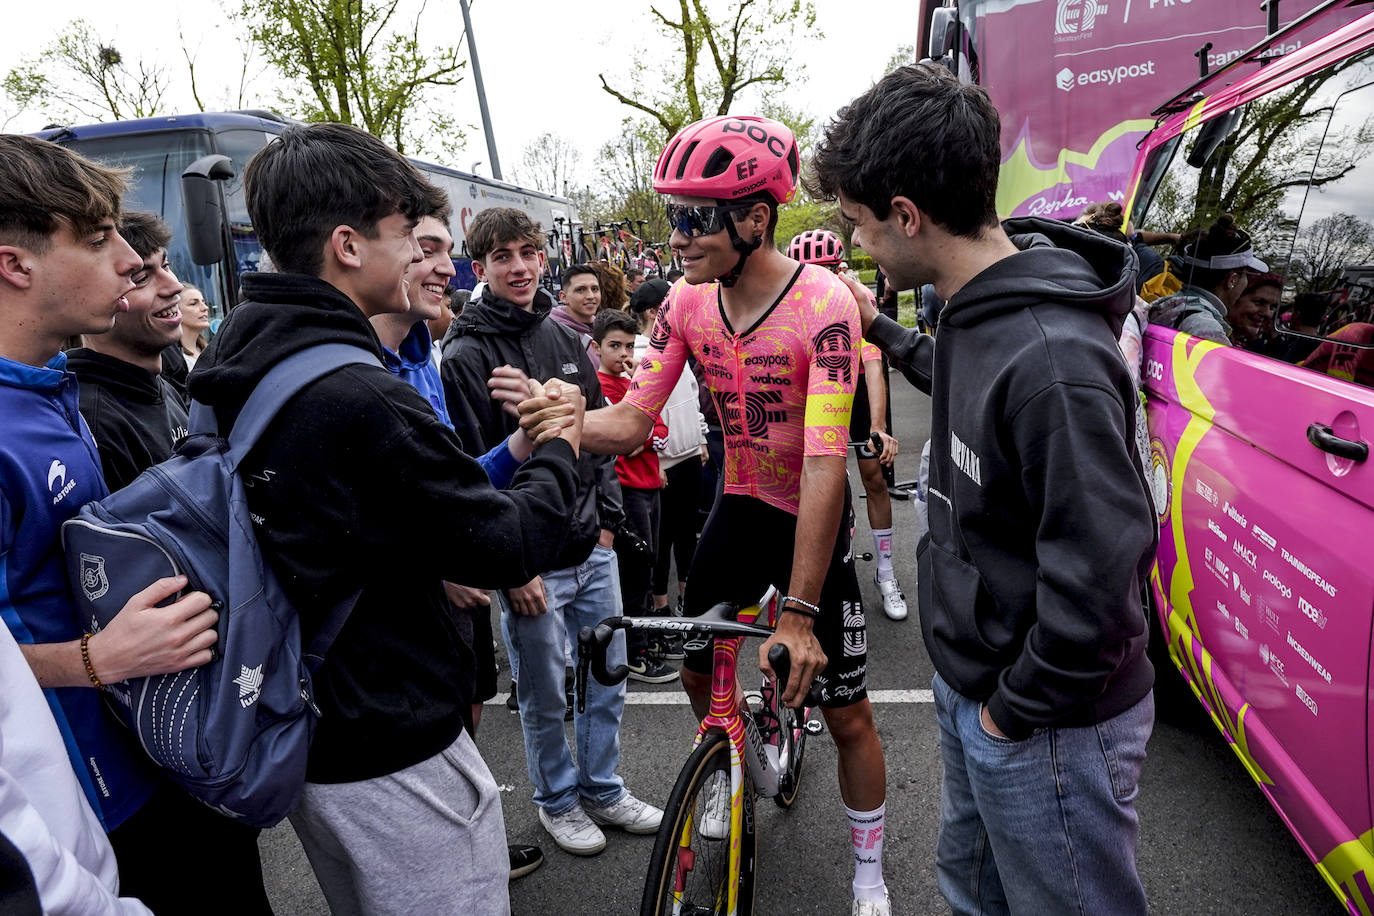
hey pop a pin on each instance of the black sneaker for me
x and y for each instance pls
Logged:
(524, 859)
(667, 648)
(649, 670)
(512, 703)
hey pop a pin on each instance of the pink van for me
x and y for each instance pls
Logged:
(1259, 451)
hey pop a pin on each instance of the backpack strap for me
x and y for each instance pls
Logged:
(312, 655)
(282, 382)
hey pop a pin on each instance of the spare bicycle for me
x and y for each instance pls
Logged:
(705, 853)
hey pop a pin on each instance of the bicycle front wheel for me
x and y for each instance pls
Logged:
(690, 872)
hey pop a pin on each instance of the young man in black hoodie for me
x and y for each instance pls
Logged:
(399, 813)
(508, 325)
(1041, 527)
(134, 414)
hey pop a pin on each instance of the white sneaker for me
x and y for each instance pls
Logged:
(894, 602)
(873, 907)
(573, 831)
(715, 818)
(629, 814)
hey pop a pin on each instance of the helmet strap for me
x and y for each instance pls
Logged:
(744, 248)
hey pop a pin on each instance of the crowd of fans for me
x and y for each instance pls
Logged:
(473, 436)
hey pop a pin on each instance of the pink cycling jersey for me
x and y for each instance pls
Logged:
(783, 388)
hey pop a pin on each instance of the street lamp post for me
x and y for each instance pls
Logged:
(481, 93)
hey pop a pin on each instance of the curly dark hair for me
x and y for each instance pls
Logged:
(920, 134)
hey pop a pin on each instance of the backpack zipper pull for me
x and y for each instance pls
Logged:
(305, 695)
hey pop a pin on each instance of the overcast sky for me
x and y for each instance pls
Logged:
(539, 58)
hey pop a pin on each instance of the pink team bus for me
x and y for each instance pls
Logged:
(1264, 584)
(1075, 80)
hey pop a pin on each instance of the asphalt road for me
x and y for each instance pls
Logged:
(1210, 843)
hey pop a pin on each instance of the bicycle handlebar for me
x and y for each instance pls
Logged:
(718, 621)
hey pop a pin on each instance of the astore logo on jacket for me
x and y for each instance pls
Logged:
(58, 484)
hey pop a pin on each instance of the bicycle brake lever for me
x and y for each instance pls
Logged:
(606, 677)
(781, 663)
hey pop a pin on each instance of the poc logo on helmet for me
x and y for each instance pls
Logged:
(758, 135)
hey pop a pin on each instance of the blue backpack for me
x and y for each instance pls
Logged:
(234, 732)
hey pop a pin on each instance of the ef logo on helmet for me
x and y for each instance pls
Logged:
(746, 169)
(758, 135)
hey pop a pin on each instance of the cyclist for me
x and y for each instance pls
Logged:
(778, 344)
(823, 247)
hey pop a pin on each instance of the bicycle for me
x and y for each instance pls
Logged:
(703, 861)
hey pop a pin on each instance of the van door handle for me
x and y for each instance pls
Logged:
(1323, 438)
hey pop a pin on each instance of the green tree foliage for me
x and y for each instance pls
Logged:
(81, 78)
(356, 62)
(626, 166)
(803, 214)
(724, 49)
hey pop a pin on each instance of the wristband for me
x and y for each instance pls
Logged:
(86, 657)
(798, 606)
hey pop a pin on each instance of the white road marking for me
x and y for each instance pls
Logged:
(678, 698)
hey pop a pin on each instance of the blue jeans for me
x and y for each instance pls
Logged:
(578, 596)
(1045, 825)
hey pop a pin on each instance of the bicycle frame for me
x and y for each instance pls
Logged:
(753, 768)
(747, 747)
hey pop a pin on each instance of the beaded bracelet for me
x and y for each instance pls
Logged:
(86, 657)
(798, 606)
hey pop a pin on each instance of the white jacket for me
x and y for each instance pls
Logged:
(43, 811)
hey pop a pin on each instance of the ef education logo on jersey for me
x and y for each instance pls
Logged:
(58, 484)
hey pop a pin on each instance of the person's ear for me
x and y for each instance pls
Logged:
(907, 216)
(16, 266)
(343, 247)
(479, 270)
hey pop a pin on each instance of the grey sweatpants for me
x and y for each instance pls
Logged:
(427, 839)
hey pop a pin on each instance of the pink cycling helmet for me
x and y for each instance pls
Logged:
(817, 246)
(730, 157)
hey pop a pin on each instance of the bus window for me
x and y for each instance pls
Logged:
(156, 161)
(1259, 172)
(240, 146)
(1333, 258)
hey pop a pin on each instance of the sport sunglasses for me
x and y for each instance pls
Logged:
(697, 221)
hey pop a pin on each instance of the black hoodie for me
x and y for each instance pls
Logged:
(134, 415)
(492, 332)
(1041, 527)
(357, 485)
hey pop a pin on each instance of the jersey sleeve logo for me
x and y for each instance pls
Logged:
(659, 338)
(835, 352)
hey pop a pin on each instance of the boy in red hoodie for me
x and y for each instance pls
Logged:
(613, 343)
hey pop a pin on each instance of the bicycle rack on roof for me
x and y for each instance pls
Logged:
(1260, 53)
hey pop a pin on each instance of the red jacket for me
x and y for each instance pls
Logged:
(641, 471)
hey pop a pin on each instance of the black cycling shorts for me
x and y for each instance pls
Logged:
(860, 420)
(745, 547)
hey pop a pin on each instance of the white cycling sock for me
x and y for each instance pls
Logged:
(882, 546)
(866, 834)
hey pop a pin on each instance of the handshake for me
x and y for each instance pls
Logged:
(546, 410)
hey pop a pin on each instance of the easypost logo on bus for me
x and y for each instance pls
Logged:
(1066, 79)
